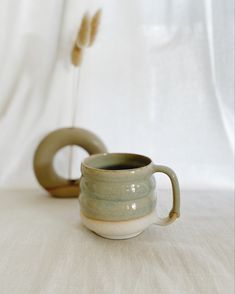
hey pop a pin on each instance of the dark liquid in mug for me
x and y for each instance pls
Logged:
(118, 167)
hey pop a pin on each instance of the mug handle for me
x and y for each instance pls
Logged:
(175, 211)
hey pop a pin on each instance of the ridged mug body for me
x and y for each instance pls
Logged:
(118, 199)
(117, 196)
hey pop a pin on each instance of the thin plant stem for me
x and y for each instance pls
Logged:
(76, 85)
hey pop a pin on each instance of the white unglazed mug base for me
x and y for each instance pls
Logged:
(119, 229)
(121, 237)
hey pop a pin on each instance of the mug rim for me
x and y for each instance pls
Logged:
(85, 162)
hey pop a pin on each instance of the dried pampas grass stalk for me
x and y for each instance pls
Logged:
(95, 22)
(86, 36)
(76, 55)
(83, 37)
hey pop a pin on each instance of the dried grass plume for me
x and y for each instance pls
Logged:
(86, 36)
(76, 55)
(83, 37)
(95, 22)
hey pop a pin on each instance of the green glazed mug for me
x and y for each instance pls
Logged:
(118, 198)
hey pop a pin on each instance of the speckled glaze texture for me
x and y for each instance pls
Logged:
(118, 194)
(116, 197)
(113, 195)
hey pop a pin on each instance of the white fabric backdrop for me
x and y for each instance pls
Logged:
(158, 81)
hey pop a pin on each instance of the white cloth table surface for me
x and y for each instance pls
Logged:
(45, 249)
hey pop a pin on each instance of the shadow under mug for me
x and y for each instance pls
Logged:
(118, 198)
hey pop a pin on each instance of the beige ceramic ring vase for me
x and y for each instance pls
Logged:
(43, 159)
(118, 194)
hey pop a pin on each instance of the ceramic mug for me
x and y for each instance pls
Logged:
(118, 199)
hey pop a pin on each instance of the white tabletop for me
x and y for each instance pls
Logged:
(45, 249)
